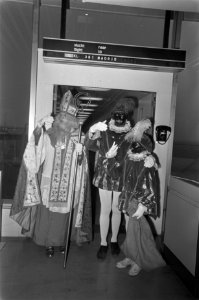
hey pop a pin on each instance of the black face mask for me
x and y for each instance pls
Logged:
(119, 117)
(137, 147)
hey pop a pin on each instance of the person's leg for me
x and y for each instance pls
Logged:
(126, 221)
(116, 217)
(115, 222)
(105, 201)
(126, 248)
(126, 261)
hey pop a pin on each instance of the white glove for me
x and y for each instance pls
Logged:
(112, 151)
(101, 126)
(47, 121)
(140, 211)
(149, 161)
(79, 148)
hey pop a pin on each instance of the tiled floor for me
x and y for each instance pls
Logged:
(27, 274)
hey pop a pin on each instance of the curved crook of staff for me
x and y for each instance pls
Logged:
(70, 221)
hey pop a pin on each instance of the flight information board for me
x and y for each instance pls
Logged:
(112, 54)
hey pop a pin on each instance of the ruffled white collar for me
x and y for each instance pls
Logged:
(119, 129)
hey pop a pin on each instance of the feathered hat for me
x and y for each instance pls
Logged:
(136, 133)
(137, 137)
(126, 105)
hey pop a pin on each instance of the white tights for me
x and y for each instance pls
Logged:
(126, 221)
(109, 202)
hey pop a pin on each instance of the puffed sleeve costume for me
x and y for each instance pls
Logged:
(109, 171)
(141, 187)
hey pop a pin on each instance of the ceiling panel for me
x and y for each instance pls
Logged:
(176, 5)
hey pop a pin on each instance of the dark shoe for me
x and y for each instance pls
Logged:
(62, 249)
(115, 249)
(102, 252)
(50, 251)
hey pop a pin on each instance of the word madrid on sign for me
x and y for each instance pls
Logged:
(64, 50)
